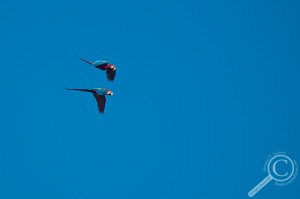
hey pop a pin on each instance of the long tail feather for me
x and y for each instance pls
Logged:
(86, 61)
(79, 89)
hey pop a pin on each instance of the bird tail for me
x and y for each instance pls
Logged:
(86, 61)
(80, 89)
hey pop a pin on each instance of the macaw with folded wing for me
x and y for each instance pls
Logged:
(104, 65)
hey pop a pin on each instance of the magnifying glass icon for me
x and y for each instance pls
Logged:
(274, 173)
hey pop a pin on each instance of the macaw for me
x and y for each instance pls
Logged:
(99, 94)
(104, 65)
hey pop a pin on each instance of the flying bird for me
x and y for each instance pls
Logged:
(99, 94)
(104, 65)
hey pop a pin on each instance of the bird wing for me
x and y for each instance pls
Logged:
(101, 100)
(102, 65)
(111, 74)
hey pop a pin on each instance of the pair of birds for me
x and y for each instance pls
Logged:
(100, 93)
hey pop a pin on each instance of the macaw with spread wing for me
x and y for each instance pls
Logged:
(99, 94)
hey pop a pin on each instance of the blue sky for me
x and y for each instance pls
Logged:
(204, 92)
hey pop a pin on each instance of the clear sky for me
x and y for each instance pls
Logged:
(204, 92)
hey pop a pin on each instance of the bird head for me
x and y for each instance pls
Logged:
(112, 67)
(109, 92)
